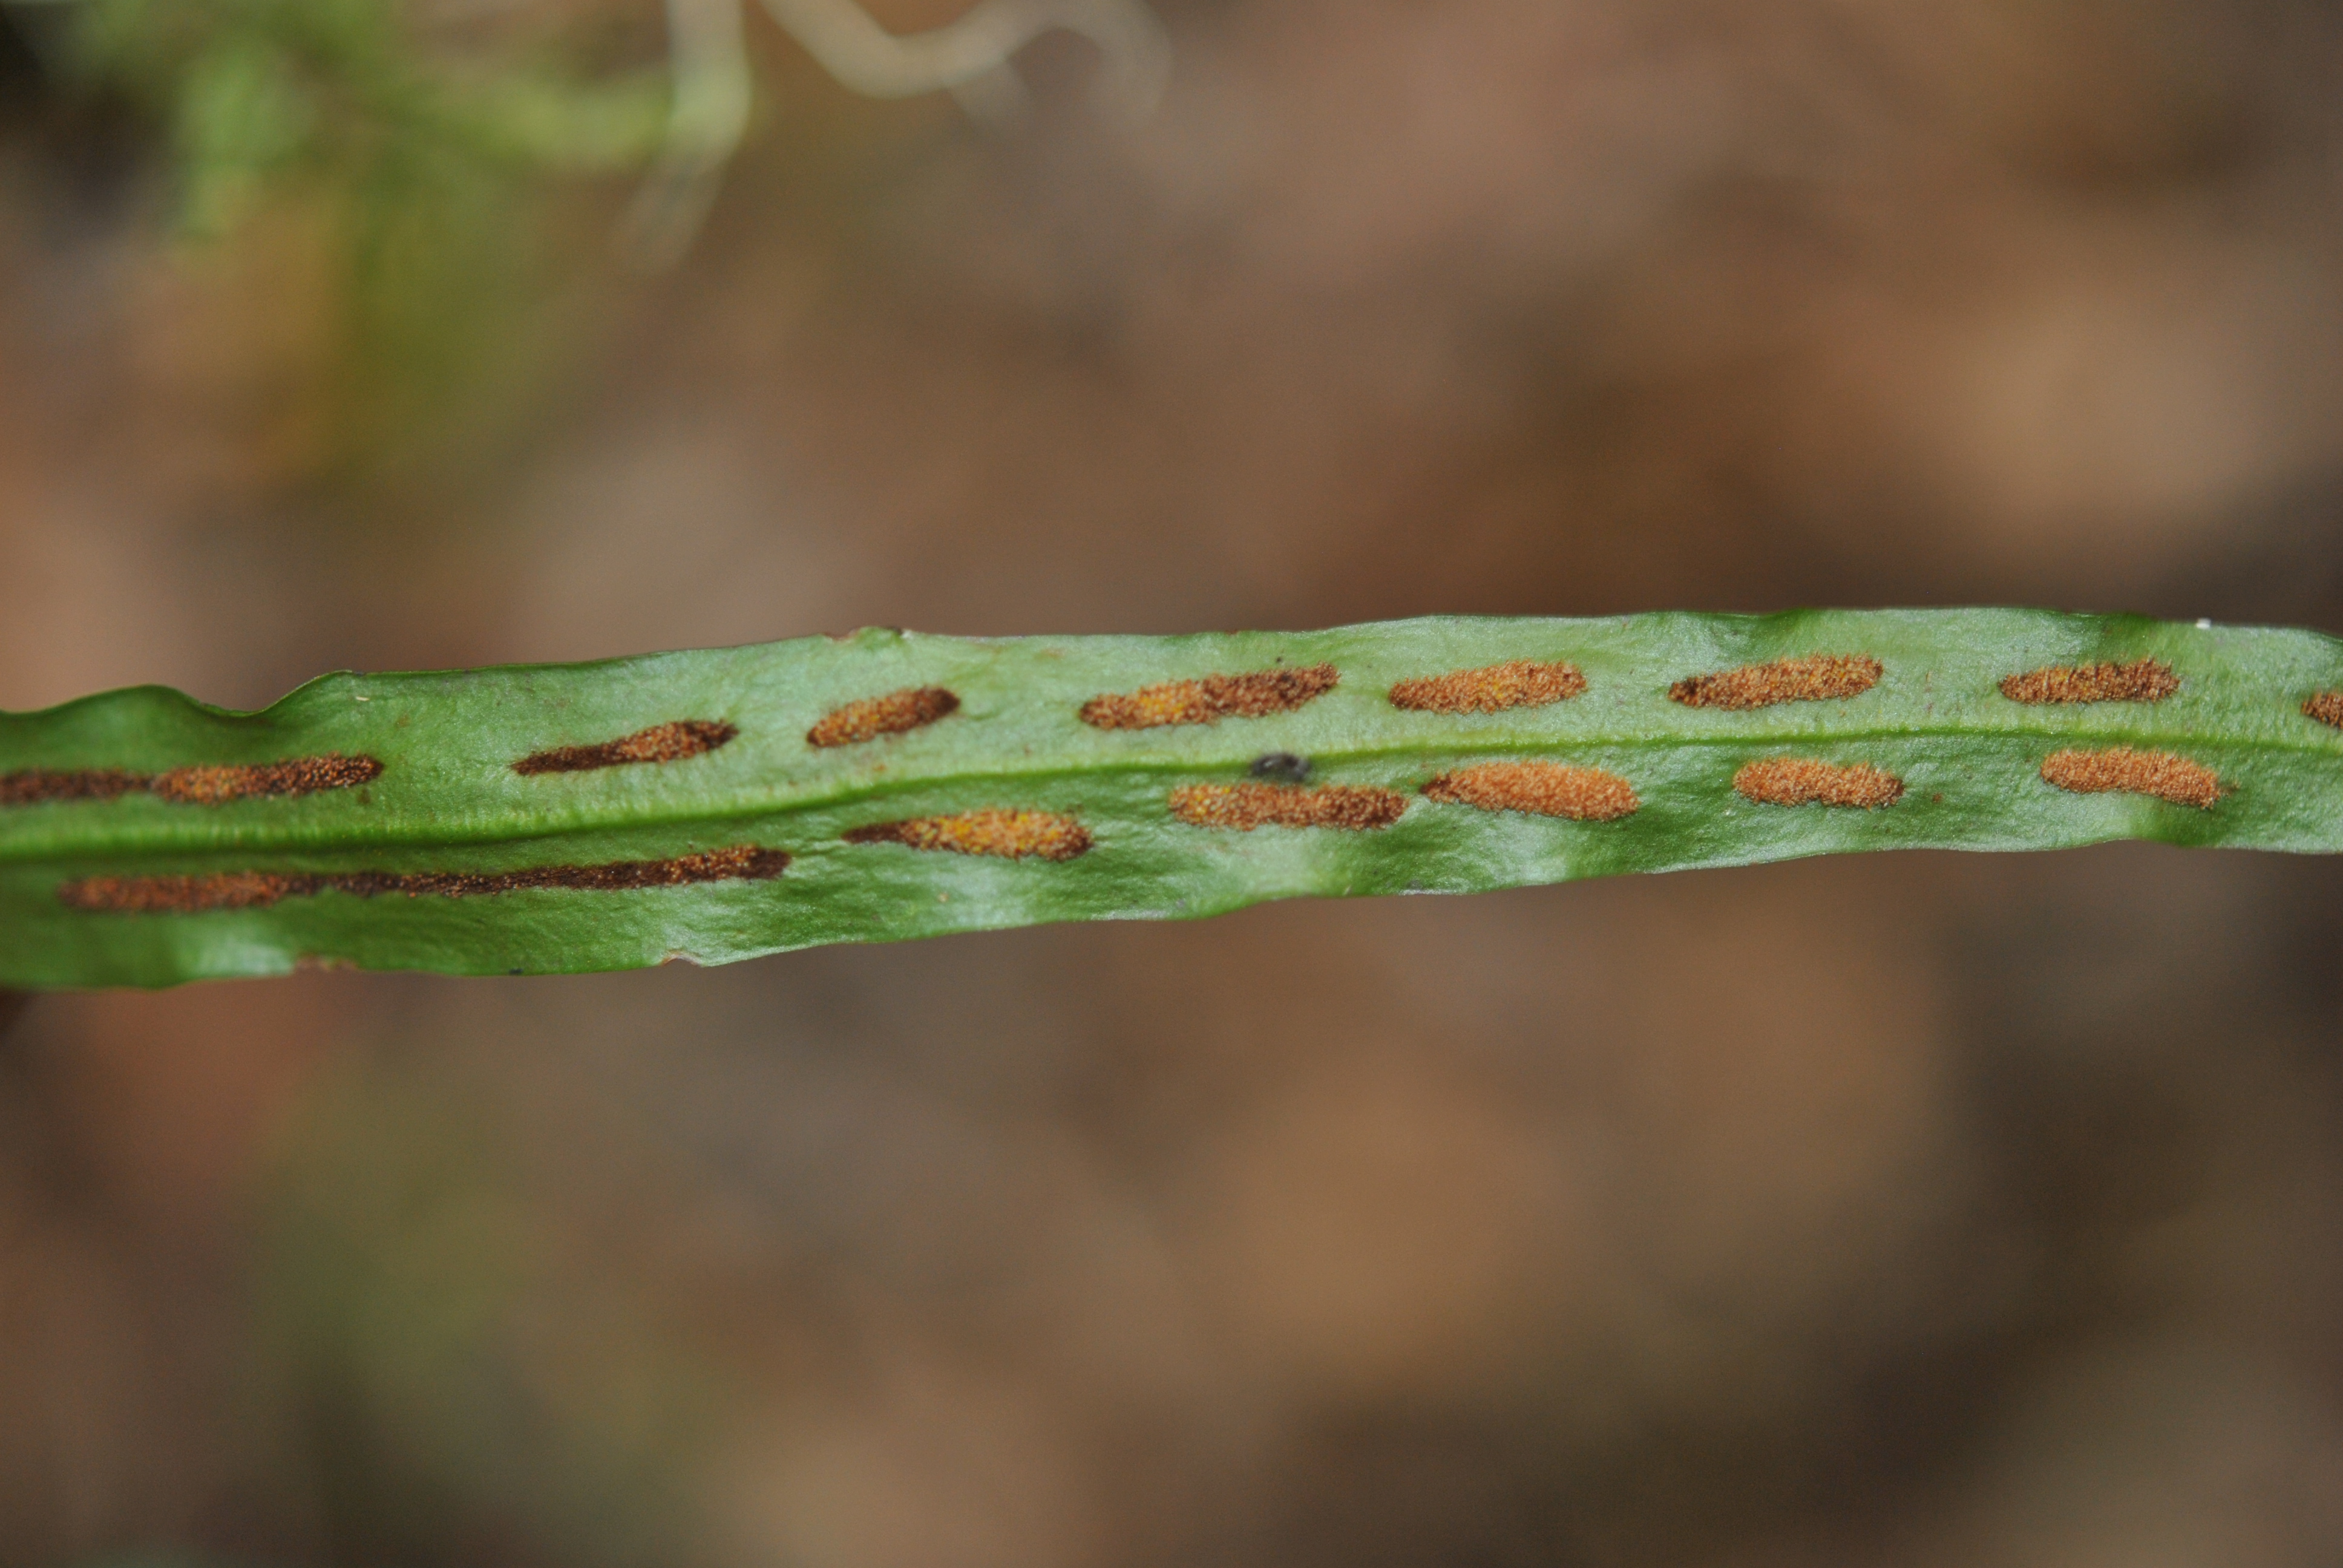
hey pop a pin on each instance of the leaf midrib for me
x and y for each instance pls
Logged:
(165, 838)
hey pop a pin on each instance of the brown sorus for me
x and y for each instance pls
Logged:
(1518, 683)
(1542, 789)
(1245, 806)
(1013, 835)
(257, 890)
(1817, 678)
(300, 776)
(185, 895)
(1254, 694)
(2327, 707)
(2141, 681)
(36, 784)
(892, 714)
(203, 786)
(670, 742)
(2161, 774)
(1803, 782)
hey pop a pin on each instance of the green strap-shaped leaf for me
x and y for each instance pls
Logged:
(720, 804)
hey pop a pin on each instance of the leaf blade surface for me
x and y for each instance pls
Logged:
(448, 802)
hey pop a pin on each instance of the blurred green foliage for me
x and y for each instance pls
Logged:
(450, 1366)
(355, 91)
(431, 161)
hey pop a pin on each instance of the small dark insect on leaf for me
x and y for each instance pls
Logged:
(1281, 766)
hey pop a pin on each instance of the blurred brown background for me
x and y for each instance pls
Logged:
(1913, 1210)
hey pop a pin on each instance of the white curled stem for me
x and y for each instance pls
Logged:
(861, 54)
(709, 65)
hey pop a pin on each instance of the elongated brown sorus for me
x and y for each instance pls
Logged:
(1817, 678)
(1011, 835)
(2164, 774)
(1540, 789)
(1517, 683)
(669, 742)
(1806, 781)
(259, 890)
(35, 786)
(196, 786)
(1255, 694)
(2327, 707)
(1245, 806)
(895, 713)
(2141, 681)
(187, 895)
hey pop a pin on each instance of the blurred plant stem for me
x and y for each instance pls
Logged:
(410, 168)
(253, 89)
(425, 162)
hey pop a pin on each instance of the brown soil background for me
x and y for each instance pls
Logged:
(1910, 1210)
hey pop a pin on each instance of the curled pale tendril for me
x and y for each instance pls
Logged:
(969, 57)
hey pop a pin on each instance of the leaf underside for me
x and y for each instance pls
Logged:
(720, 804)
